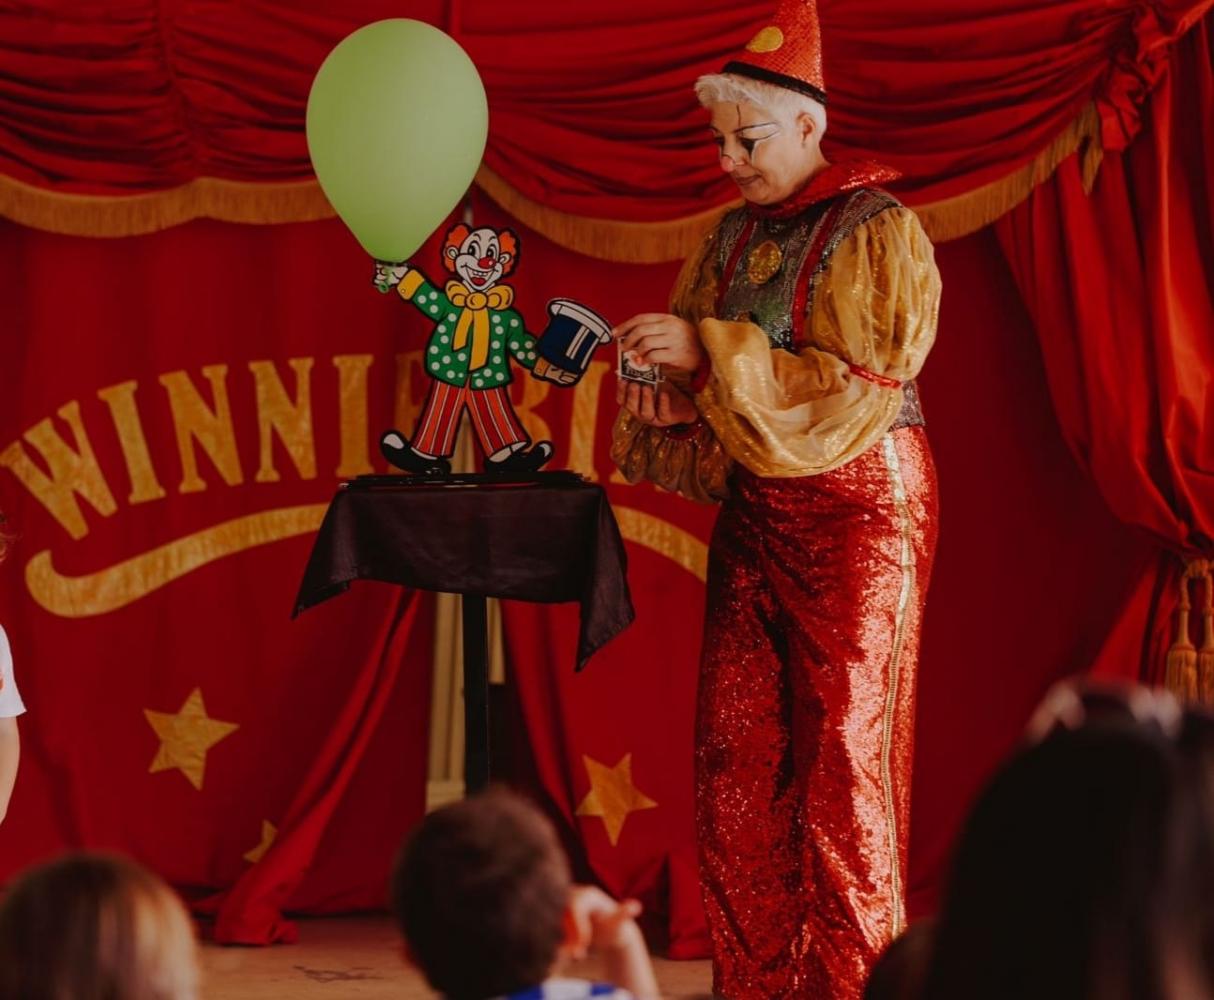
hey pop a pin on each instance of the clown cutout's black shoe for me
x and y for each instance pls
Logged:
(522, 459)
(397, 450)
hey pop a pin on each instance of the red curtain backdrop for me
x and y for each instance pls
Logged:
(1027, 543)
(176, 408)
(1120, 285)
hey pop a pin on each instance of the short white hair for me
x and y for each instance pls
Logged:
(732, 88)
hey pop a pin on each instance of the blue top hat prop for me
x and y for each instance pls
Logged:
(569, 341)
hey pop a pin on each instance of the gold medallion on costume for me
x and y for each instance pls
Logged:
(763, 263)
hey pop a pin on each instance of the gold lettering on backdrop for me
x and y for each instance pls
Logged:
(404, 413)
(58, 473)
(352, 409)
(291, 421)
(194, 421)
(127, 581)
(72, 472)
(125, 414)
(586, 420)
(664, 538)
(534, 393)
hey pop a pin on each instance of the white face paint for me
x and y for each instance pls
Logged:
(768, 158)
(479, 260)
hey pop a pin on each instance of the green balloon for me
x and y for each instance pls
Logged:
(396, 125)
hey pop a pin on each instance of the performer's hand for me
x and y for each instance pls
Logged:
(388, 275)
(661, 407)
(661, 339)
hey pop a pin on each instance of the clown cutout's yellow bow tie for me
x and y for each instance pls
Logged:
(476, 306)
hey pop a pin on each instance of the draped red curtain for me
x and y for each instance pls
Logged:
(591, 108)
(1120, 284)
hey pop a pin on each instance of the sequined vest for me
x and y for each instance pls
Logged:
(770, 269)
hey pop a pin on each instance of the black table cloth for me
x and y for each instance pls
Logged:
(549, 541)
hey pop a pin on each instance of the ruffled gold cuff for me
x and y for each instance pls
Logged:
(696, 467)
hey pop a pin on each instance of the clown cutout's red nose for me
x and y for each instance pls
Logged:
(486, 263)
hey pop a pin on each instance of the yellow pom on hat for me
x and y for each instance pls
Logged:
(766, 40)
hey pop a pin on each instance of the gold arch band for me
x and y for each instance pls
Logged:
(124, 583)
(669, 540)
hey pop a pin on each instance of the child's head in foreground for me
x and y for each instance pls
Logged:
(481, 891)
(92, 926)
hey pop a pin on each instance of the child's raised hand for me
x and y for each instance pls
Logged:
(602, 924)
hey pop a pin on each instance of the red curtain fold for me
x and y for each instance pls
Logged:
(591, 110)
(251, 912)
(1120, 285)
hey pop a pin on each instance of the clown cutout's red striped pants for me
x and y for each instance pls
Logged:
(496, 426)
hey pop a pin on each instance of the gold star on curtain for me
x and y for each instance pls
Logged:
(268, 833)
(612, 795)
(186, 737)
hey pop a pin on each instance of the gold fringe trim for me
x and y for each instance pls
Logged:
(606, 239)
(952, 218)
(136, 214)
(1189, 672)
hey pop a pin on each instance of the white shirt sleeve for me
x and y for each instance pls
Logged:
(10, 699)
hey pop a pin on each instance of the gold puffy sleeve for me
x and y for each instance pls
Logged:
(695, 465)
(875, 307)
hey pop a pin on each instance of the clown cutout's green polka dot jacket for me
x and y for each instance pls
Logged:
(473, 332)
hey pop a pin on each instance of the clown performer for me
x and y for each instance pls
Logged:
(466, 356)
(797, 331)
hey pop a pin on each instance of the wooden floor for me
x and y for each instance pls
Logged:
(358, 958)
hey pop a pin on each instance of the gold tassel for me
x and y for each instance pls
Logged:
(1181, 676)
(1205, 655)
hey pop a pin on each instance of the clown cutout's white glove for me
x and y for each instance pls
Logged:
(388, 275)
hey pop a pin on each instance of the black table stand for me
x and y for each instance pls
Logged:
(475, 615)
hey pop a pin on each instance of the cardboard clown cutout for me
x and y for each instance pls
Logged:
(476, 333)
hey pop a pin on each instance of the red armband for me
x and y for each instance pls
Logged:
(882, 380)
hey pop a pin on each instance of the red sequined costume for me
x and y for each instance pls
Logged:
(816, 317)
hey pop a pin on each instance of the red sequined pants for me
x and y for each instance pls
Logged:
(805, 719)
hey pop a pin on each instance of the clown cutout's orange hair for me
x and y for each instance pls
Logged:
(507, 241)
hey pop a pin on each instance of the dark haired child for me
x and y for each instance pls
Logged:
(483, 897)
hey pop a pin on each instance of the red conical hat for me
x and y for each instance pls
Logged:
(787, 52)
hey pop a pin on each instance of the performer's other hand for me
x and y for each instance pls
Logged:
(663, 407)
(661, 339)
(388, 275)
